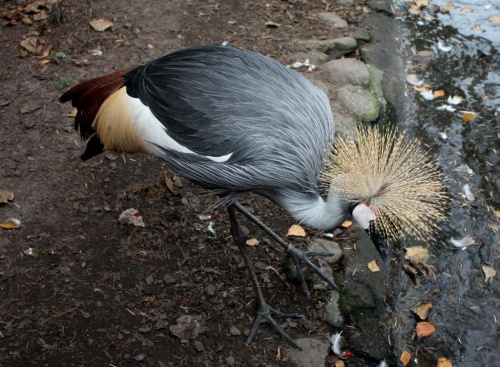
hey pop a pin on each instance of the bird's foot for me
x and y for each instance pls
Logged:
(265, 314)
(300, 257)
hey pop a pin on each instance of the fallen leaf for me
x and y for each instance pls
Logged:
(443, 362)
(469, 116)
(131, 216)
(425, 329)
(30, 44)
(448, 6)
(6, 196)
(252, 242)
(346, 224)
(45, 51)
(495, 18)
(101, 24)
(497, 213)
(339, 363)
(41, 16)
(438, 93)
(422, 88)
(422, 310)
(43, 62)
(272, 24)
(414, 80)
(373, 266)
(296, 230)
(489, 272)
(422, 3)
(187, 327)
(417, 255)
(466, 10)
(405, 358)
(11, 223)
(73, 112)
(35, 6)
(278, 355)
(477, 28)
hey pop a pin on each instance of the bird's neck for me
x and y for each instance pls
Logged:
(314, 212)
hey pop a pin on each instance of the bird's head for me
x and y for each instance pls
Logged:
(392, 183)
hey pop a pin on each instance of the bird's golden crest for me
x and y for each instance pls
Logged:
(395, 176)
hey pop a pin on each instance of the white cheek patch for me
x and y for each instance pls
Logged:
(362, 214)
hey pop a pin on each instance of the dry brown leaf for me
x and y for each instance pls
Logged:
(6, 196)
(495, 18)
(30, 44)
(278, 355)
(11, 223)
(497, 213)
(489, 272)
(405, 358)
(417, 254)
(422, 310)
(443, 362)
(131, 216)
(296, 230)
(438, 93)
(35, 6)
(252, 242)
(339, 363)
(466, 10)
(373, 266)
(41, 16)
(448, 6)
(346, 224)
(44, 52)
(425, 329)
(101, 24)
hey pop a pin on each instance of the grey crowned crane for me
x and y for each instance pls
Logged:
(236, 122)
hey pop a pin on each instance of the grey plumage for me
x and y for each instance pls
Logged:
(276, 125)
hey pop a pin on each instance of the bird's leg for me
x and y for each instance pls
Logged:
(265, 312)
(299, 257)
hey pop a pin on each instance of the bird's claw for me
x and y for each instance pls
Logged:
(300, 257)
(265, 314)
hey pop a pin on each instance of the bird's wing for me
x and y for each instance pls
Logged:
(216, 101)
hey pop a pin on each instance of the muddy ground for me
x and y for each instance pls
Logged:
(77, 288)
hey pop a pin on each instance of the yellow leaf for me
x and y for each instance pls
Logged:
(347, 224)
(448, 6)
(296, 230)
(422, 310)
(425, 329)
(339, 363)
(373, 266)
(495, 18)
(422, 3)
(443, 362)
(101, 24)
(466, 10)
(73, 112)
(438, 93)
(469, 116)
(405, 358)
(478, 29)
(422, 88)
(43, 62)
(11, 223)
(489, 272)
(417, 254)
(252, 242)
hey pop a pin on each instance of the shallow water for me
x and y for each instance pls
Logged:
(466, 309)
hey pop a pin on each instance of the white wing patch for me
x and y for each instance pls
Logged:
(152, 131)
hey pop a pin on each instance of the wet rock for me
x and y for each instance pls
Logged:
(332, 308)
(321, 245)
(330, 46)
(315, 58)
(346, 71)
(314, 351)
(343, 124)
(359, 102)
(333, 19)
(361, 34)
(325, 87)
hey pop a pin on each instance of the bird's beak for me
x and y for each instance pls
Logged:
(365, 217)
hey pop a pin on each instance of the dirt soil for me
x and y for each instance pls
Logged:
(77, 288)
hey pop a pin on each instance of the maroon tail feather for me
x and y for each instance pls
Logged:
(88, 97)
